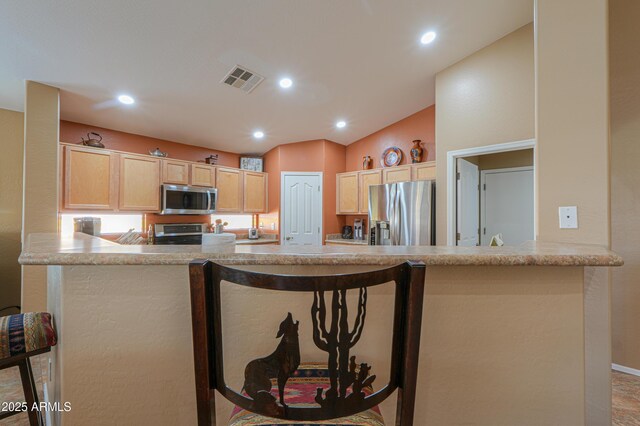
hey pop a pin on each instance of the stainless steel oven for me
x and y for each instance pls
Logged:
(178, 199)
(179, 233)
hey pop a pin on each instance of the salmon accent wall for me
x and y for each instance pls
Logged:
(421, 125)
(128, 142)
(309, 156)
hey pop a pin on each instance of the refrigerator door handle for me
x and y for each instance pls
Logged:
(396, 219)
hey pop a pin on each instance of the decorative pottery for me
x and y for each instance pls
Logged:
(416, 151)
(366, 162)
(391, 156)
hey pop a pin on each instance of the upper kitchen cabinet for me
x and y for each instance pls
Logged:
(230, 195)
(347, 193)
(424, 171)
(175, 172)
(90, 179)
(203, 175)
(139, 183)
(366, 179)
(255, 192)
(396, 174)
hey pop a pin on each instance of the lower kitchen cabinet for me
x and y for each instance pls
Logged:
(139, 183)
(230, 195)
(90, 179)
(255, 192)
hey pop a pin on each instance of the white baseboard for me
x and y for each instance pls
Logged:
(624, 369)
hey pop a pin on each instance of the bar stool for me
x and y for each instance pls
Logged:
(21, 337)
(280, 388)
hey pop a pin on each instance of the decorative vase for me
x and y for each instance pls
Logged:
(416, 151)
(366, 162)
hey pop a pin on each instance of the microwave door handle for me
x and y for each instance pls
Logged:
(208, 200)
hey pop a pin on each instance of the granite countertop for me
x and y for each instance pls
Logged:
(350, 241)
(258, 241)
(337, 239)
(82, 249)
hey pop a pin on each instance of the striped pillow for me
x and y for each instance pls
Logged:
(24, 333)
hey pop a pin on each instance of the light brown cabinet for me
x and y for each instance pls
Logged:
(255, 192)
(203, 175)
(230, 195)
(396, 174)
(139, 183)
(102, 179)
(352, 189)
(175, 172)
(90, 179)
(366, 179)
(347, 193)
(424, 171)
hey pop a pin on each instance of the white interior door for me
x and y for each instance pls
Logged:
(468, 203)
(507, 205)
(301, 208)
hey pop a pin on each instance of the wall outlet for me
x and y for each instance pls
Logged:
(568, 217)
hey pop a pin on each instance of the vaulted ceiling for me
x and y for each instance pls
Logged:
(356, 60)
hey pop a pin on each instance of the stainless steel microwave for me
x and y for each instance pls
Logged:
(178, 199)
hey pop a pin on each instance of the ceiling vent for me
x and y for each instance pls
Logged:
(243, 79)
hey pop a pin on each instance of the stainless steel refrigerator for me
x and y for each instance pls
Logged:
(402, 214)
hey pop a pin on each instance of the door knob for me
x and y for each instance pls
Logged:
(288, 238)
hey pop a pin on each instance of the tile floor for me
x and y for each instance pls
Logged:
(626, 394)
(626, 400)
(11, 388)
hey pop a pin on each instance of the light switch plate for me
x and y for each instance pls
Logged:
(568, 217)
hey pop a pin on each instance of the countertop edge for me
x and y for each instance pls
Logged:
(67, 259)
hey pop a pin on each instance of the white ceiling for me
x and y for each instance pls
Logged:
(359, 60)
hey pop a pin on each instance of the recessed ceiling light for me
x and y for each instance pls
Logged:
(428, 37)
(285, 83)
(341, 124)
(258, 134)
(126, 99)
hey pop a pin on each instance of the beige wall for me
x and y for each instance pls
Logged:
(573, 161)
(485, 99)
(624, 16)
(40, 199)
(505, 160)
(499, 345)
(12, 142)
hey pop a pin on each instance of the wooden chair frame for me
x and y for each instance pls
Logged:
(205, 279)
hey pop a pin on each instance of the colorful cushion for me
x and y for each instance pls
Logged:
(25, 333)
(301, 392)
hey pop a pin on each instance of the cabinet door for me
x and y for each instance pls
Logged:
(139, 183)
(203, 175)
(255, 192)
(90, 179)
(396, 174)
(347, 193)
(175, 172)
(229, 184)
(424, 171)
(367, 178)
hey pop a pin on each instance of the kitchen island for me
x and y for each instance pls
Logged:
(503, 328)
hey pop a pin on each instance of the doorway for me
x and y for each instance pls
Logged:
(509, 208)
(506, 205)
(301, 209)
